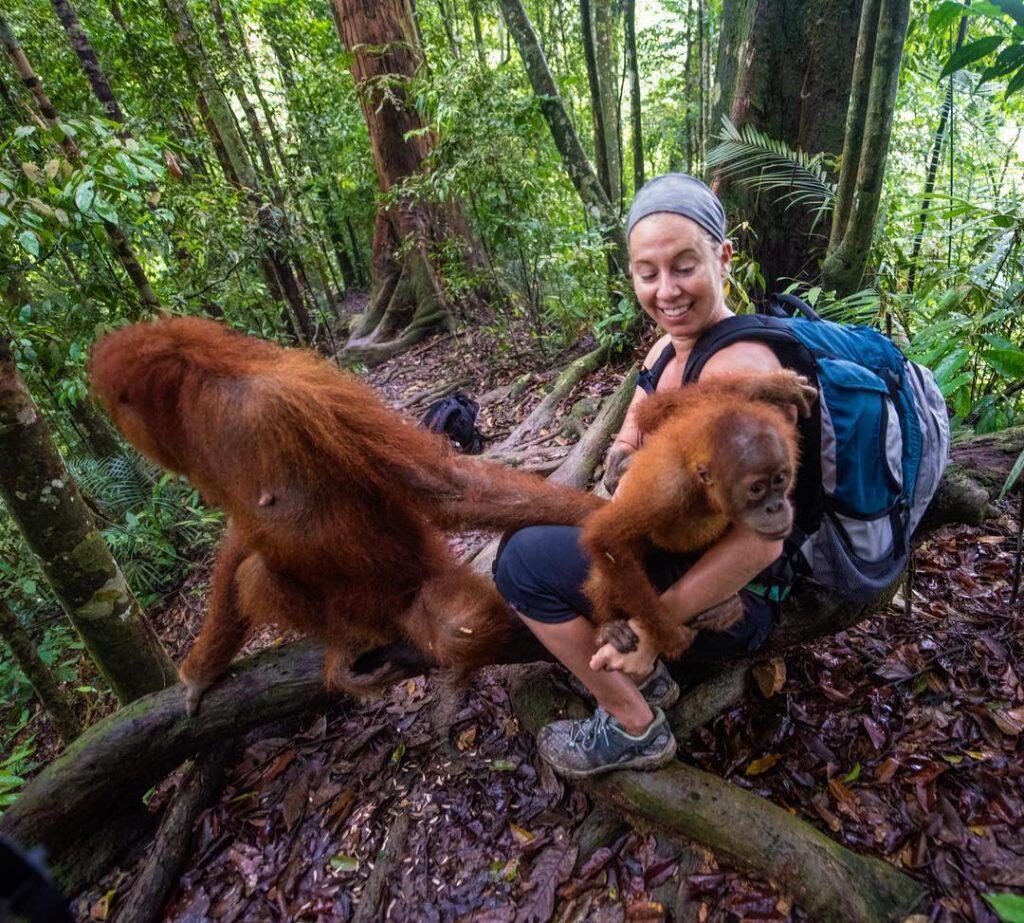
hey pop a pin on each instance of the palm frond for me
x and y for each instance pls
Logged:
(762, 163)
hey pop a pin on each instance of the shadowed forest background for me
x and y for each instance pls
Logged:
(432, 194)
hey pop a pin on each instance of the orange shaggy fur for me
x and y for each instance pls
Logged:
(336, 505)
(703, 446)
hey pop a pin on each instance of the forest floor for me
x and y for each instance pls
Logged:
(901, 738)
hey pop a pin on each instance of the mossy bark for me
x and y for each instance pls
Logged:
(787, 73)
(869, 127)
(49, 510)
(410, 299)
(117, 759)
(831, 882)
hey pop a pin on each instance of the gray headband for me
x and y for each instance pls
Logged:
(682, 195)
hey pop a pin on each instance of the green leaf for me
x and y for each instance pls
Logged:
(84, 196)
(29, 242)
(1008, 907)
(951, 364)
(1016, 82)
(1011, 478)
(105, 210)
(1007, 362)
(968, 54)
(944, 15)
(1014, 8)
(23, 131)
(853, 775)
(1008, 60)
(343, 862)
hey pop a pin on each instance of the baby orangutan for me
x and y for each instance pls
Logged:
(717, 452)
(336, 506)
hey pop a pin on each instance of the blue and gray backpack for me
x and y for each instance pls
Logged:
(872, 454)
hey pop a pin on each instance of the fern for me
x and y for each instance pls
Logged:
(759, 162)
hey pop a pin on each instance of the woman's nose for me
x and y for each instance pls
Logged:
(666, 285)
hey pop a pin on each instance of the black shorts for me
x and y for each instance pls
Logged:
(540, 571)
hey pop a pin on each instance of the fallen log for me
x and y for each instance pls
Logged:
(202, 783)
(831, 882)
(126, 753)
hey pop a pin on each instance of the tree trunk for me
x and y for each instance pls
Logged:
(88, 59)
(237, 87)
(46, 505)
(786, 72)
(410, 300)
(933, 164)
(879, 52)
(605, 54)
(633, 76)
(94, 428)
(58, 706)
(223, 129)
(118, 242)
(596, 109)
(596, 203)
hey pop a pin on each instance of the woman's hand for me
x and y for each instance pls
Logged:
(615, 464)
(636, 664)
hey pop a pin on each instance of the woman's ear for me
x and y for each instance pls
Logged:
(725, 256)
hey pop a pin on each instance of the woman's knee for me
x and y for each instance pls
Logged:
(540, 572)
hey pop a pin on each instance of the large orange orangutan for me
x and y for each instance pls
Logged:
(336, 506)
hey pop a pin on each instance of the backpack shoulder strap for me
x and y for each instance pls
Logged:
(648, 378)
(760, 328)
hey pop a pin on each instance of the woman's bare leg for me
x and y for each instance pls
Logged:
(573, 643)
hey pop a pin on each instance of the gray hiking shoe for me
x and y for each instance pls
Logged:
(591, 746)
(659, 689)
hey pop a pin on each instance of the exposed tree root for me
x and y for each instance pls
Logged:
(84, 807)
(543, 414)
(580, 463)
(832, 883)
(198, 788)
(117, 759)
(375, 893)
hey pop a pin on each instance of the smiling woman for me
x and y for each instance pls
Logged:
(679, 261)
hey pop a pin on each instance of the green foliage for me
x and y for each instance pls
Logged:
(773, 167)
(1008, 907)
(14, 767)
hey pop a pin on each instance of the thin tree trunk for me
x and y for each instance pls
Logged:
(237, 87)
(604, 59)
(223, 127)
(633, 74)
(46, 505)
(118, 242)
(860, 87)
(88, 59)
(933, 164)
(846, 260)
(596, 109)
(574, 158)
(478, 33)
(58, 706)
(268, 113)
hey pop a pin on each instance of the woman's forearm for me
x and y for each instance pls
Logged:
(724, 569)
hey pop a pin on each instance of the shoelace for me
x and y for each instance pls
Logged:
(586, 733)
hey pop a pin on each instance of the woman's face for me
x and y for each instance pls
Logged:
(678, 273)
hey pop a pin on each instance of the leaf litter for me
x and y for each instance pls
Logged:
(900, 738)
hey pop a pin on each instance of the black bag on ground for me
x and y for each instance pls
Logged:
(455, 417)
